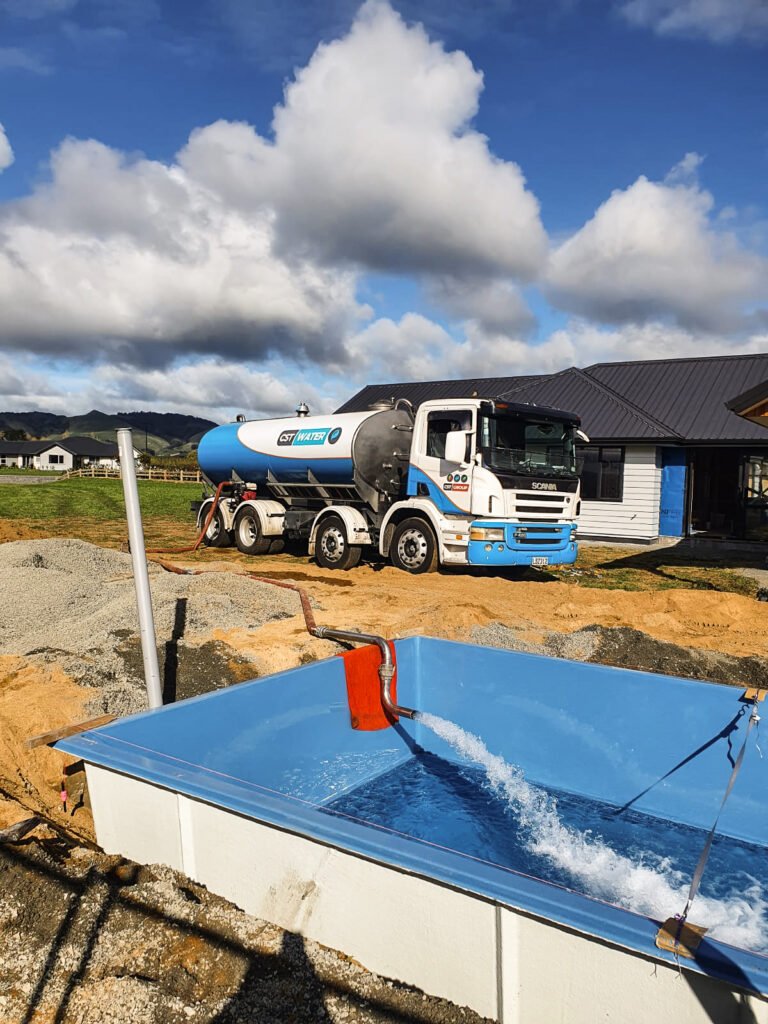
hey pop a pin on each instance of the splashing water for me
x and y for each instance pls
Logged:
(652, 888)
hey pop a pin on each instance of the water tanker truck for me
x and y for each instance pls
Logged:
(470, 481)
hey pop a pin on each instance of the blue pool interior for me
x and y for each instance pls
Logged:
(600, 740)
(434, 800)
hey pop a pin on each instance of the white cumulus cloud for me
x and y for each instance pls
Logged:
(417, 348)
(492, 304)
(6, 153)
(212, 387)
(374, 161)
(721, 21)
(135, 259)
(246, 246)
(654, 251)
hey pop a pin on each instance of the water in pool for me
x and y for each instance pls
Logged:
(630, 859)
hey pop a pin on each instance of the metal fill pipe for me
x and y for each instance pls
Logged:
(386, 669)
(140, 573)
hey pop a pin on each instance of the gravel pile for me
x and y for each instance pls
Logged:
(73, 602)
(578, 646)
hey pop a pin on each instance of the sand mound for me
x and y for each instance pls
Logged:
(34, 700)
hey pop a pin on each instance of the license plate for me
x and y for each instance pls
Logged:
(540, 560)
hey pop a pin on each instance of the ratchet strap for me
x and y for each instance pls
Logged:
(675, 934)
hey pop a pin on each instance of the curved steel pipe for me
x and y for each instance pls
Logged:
(386, 669)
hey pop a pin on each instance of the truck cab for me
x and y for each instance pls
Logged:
(497, 482)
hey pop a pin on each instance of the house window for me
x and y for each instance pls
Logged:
(602, 473)
(56, 460)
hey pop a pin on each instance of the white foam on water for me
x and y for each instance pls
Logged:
(648, 885)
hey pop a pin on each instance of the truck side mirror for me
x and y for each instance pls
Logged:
(456, 446)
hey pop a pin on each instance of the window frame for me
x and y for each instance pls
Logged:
(599, 449)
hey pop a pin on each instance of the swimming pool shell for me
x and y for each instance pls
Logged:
(225, 785)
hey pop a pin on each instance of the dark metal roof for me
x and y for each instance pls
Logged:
(689, 395)
(22, 447)
(87, 447)
(604, 415)
(677, 400)
(421, 391)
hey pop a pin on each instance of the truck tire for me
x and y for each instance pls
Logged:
(414, 547)
(216, 536)
(248, 536)
(332, 549)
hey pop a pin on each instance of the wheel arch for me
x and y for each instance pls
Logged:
(271, 515)
(410, 510)
(357, 526)
(228, 508)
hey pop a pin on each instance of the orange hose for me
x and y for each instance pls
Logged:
(206, 524)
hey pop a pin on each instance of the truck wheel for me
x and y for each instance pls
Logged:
(414, 547)
(332, 549)
(216, 536)
(248, 536)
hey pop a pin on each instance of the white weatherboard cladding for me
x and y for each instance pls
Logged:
(636, 516)
(511, 967)
(263, 435)
(42, 461)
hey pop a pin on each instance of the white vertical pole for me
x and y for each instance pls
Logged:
(140, 574)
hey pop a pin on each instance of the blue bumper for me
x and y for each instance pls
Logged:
(524, 542)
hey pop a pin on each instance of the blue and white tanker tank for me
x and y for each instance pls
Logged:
(369, 450)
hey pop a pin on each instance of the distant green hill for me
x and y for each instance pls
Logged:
(163, 432)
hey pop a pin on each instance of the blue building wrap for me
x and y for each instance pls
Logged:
(673, 475)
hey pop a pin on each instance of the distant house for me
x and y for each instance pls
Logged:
(667, 456)
(60, 454)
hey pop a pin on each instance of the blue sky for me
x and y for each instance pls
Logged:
(447, 190)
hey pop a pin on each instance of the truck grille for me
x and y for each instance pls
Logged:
(536, 506)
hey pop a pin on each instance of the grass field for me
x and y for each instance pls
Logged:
(617, 568)
(15, 471)
(95, 499)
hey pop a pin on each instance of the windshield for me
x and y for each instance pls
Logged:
(529, 446)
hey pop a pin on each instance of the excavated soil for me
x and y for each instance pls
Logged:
(91, 939)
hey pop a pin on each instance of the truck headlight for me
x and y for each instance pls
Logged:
(486, 533)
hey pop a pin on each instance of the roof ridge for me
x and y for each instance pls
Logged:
(679, 359)
(538, 378)
(644, 417)
(450, 380)
(616, 396)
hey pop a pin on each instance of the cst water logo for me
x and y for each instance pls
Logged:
(305, 436)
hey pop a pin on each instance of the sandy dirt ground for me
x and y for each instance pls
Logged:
(99, 946)
(386, 601)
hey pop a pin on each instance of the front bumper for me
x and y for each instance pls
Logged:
(524, 544)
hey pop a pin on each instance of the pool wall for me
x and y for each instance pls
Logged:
(229, 789)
